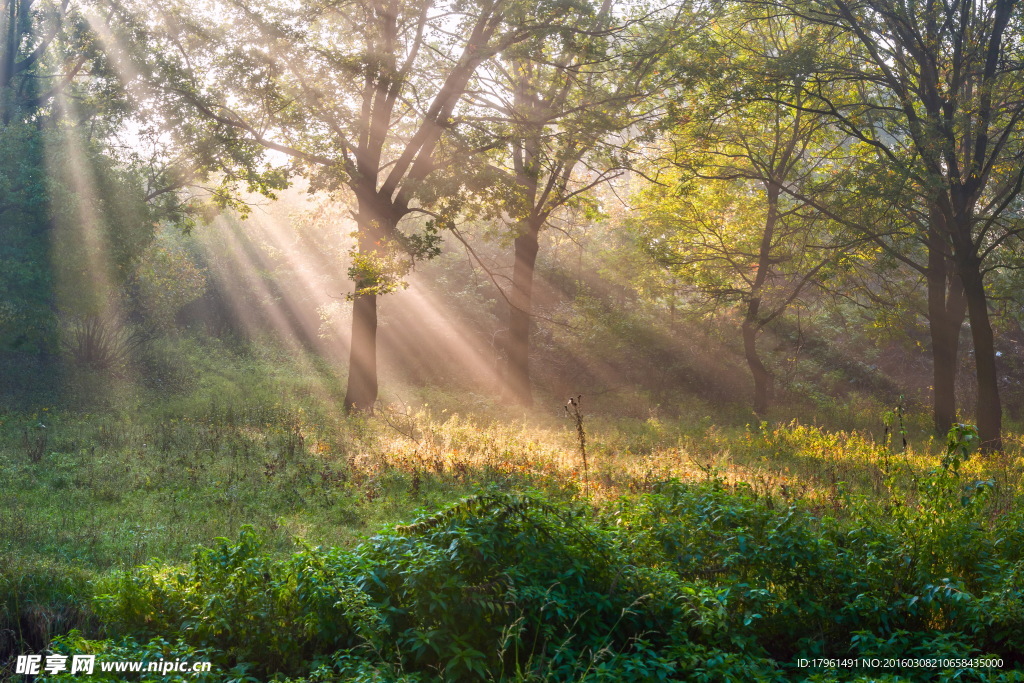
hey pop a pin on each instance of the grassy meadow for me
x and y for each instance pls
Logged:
(684, 548)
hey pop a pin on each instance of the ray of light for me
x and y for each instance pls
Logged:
(427, 327)
(115, 52)
(87, 283)
(264, 297)
(420, 336)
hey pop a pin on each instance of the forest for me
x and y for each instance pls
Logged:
(501, 340)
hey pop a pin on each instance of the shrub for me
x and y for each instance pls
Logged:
(101, 342)
(688, 582)
(243, 605)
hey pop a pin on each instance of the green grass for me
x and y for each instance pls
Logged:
(138, 471)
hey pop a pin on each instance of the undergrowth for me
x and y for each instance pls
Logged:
(695, 551)
(694, 582)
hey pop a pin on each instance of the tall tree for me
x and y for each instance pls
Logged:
(898, 218)
(571, 106)
(725, 217)
(939, 101)
(361, 94)
(31, 36)
(45, 53)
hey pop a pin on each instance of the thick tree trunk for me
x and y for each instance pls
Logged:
(376, 222)
(519, 317)
(362, 364)
(989, 411)
(947, 309)
(762, 377)
(8, 53)
(752, 322)
(944, 326)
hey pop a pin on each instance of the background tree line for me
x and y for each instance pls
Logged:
(619, 196)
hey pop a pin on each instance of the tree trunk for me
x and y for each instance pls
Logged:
(752, 322)
(989, 413)
(762, 377)
(362, 364)
(375, 222)
(519, 316)
(947, 309)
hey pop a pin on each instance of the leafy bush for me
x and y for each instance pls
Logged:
(166, 279)
(698, 582)
(242, 604)
(513, 584)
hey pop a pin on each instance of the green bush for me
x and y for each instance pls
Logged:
(695, 582)
(243, 605)
(515, 585)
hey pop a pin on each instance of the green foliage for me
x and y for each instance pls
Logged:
(383, 270)
(26, 284)
(961, 440)
(131, 650)
(166, 279)
(465, 593)
(378, 273)
(423, 246)
(76, 225)
(101, 224)
(688, 582)
(241, 604)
